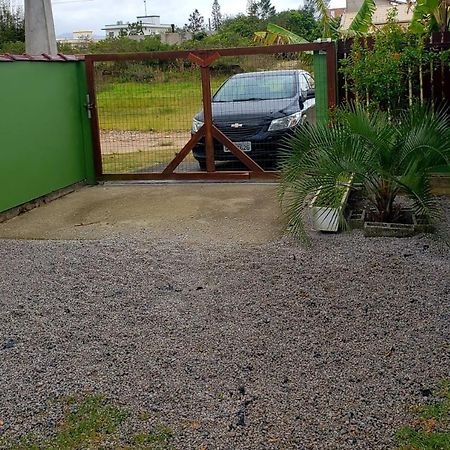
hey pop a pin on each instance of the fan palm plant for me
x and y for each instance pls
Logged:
(391, 156)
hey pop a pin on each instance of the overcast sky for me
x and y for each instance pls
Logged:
(94, 14)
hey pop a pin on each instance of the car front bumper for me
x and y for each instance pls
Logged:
(264, 147)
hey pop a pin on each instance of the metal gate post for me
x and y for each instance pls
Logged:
(207, 114)
(91, 103)
(325, 78)
(332, 75)
(320, 78)
(85, 123)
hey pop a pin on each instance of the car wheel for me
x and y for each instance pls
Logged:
(202, 164)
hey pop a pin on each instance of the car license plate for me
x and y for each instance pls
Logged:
(244, 146)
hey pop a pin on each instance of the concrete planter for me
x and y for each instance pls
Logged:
(383, 229)
(327, 218)
(421, 225)
(356, 219)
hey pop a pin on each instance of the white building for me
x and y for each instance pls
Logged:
(151, 25)
(79, 38)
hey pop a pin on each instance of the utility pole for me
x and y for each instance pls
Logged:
(39, 28)
(145, 7)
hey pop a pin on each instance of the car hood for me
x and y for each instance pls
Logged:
(252, 111)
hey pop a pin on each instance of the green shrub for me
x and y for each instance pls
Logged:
(386, 70)
(13, 48)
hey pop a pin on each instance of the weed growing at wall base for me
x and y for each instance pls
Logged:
(431, 429)
(91, 422)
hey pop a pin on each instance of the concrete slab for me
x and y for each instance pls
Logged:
(247, 213)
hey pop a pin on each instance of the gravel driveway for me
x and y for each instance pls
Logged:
(268, 346)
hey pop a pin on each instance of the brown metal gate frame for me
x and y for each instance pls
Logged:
(203, 58)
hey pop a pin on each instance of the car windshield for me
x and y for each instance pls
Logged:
(258, 87)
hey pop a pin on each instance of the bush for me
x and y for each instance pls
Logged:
(386, 70)
(14, 48)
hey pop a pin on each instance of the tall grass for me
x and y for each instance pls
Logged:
(151, 106)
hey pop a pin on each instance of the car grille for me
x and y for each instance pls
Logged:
(239, 134)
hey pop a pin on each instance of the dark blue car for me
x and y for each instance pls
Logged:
(256, 111)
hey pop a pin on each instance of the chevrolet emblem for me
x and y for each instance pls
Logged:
(236, 125)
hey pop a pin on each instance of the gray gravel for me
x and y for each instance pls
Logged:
(272, 346)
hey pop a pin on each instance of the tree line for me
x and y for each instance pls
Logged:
(221, 30)
(262, 9)
(309, 22)
(12, 28)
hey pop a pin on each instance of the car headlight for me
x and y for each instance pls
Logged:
(286, 122)
(196, 125)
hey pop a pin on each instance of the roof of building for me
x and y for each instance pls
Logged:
(144, 25)
(41, 58)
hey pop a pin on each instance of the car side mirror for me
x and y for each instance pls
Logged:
(310, 93)
(301, 101)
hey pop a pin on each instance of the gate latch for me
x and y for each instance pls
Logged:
(89, 106)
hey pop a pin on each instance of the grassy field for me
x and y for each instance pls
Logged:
(155, 106)
(152, 106)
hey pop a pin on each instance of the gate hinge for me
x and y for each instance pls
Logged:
(89, 106)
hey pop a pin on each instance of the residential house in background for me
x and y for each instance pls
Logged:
(151, 25)
(78, 38)
(380, 16)
(336, 12)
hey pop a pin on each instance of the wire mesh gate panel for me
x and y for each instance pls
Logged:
(219, 114)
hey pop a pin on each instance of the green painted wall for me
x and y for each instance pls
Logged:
(44, 131)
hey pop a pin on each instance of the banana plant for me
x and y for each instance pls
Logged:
(277, 35)
(323, 17)
(431, 15)
(361, 24)
(331, 26)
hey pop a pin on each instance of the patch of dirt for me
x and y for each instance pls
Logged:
(115, 141)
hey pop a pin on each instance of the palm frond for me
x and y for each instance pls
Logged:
(287, 35)
(324, 19)
(418, 190)
(423, 136)
(276, 34)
